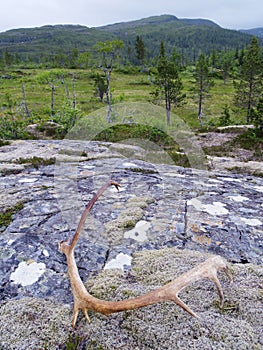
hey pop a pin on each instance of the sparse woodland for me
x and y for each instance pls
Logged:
(207, 75)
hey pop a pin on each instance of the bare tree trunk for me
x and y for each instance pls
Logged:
(168, 117)
(250, 94)
(73, 92)
(200, 113)
(108, 97)
(52, 100)
(24, 101)
(168, 108)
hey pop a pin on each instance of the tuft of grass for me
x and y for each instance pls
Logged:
(228, 307)
(7, 215)
(75, 341)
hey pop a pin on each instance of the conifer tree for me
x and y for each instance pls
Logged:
(168, 82)
(249, 88)
(203, 83)
(140, 48)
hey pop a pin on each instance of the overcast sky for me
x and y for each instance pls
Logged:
(232, 14)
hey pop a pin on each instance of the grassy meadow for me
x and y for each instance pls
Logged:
(21, 89)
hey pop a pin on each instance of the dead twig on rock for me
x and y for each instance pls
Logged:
(169, 292)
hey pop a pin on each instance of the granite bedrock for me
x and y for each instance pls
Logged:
(160, 208)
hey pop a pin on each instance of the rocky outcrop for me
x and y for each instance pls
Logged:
(164, 220)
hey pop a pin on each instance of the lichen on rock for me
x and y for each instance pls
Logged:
(127, 219)
(32, 323)
(225, 221)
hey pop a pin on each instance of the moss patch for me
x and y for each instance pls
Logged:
(36, 162)
(127, 219)
(4, 143)
(7, 214)
(249, 140)
(33, 324)
(40, 324)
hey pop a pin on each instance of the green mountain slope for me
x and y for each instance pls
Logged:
(189, 35)
(36, 42)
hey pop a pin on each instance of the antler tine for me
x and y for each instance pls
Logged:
(88, 209)
(169, 292)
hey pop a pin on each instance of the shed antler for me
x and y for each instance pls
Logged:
(169, 292)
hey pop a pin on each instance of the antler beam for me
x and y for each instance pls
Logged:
(169, 292)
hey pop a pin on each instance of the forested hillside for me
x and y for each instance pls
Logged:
(189, 36)
(40, 44)
(208, 75)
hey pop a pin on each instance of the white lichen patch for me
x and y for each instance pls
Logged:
(88, 167)
(139, 232)
(231, 179)
(115, 190)
(119, 262)
(238, 198)
(258, 188)
(45, 253)
(130, 165)
(27, 273)
(28, 180)
(251, 222)
(217, 208)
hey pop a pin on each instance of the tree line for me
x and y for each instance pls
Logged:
(165, 73)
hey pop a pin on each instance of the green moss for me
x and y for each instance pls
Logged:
(179, 159)
(106, 284)
(142, 170)
(245, 170)
(36, 162)
(127, 131)
(127, 219)
(248, 140)
(228, 307)
(4, 143)
(6, 216)
(6, 172)
(73, 152)
(76, 340)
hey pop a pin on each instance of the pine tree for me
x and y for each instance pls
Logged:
(168, 82)
(203, 83)
(140, 48)
(226, 64)
(250, 85)
(257, 115)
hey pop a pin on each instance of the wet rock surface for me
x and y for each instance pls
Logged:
(159, 206)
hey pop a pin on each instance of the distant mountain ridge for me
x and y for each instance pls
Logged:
(258, 32)
(156, 20)
(159, 21)
(191, 36)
